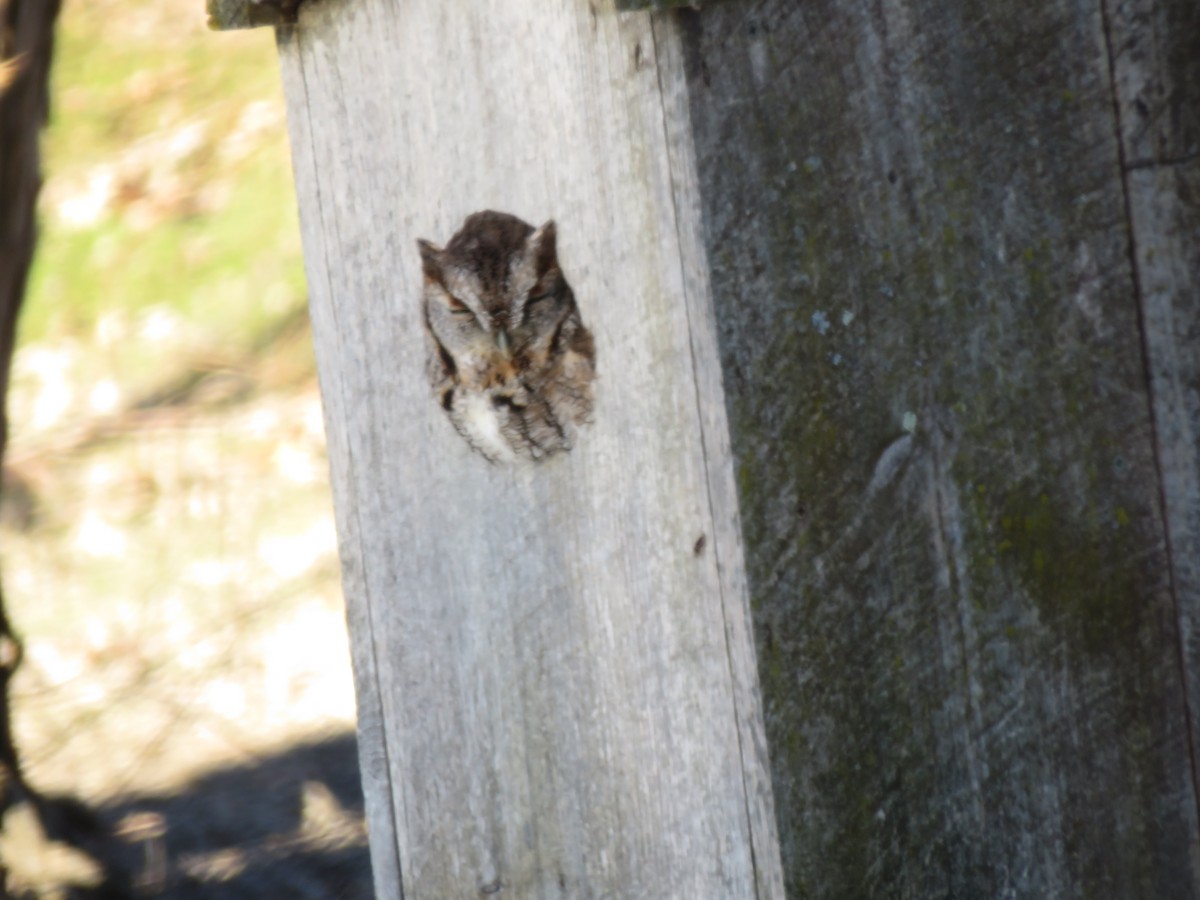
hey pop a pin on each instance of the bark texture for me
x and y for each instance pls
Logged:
(26, 40)
(954, 257)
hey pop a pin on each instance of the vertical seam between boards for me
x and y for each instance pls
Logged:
(1148, 375)
(655, 18)
(383, 732)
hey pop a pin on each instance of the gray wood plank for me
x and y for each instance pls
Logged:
(967, 615)
(1155, 52)
(722, 488)
(556, 691)
(335, 399)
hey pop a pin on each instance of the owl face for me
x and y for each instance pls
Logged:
(509, 358)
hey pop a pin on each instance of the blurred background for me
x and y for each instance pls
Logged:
(167, 537)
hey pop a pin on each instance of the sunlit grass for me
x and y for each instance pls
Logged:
(170, 184)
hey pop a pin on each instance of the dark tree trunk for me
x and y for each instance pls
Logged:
(26, 42)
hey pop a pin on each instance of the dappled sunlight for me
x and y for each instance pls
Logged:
(189, 570)
(43, 389)
(166, 533)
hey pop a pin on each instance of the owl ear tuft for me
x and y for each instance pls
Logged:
(431, 260)
(542, 248)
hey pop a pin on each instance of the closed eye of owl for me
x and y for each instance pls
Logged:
(509, 358)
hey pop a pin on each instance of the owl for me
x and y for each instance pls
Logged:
(509, 358)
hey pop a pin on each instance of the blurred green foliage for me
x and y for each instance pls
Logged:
(168, 545)
(168, 187)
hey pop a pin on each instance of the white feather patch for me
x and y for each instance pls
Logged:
(483, 426)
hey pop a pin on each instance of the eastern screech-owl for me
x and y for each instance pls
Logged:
(510, 360)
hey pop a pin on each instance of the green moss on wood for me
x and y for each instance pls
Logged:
(943, 635)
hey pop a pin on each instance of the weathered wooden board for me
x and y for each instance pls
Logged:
(556, 690)
(1155, 51)
(952, 468)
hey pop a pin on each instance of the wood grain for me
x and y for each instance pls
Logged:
(556, 690)
(955, 274)
(1154, 49)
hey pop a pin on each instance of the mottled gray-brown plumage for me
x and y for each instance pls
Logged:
(510, 360)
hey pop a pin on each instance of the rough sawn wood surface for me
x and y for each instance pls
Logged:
(557, 693)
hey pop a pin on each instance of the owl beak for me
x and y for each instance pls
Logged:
(502, 341)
